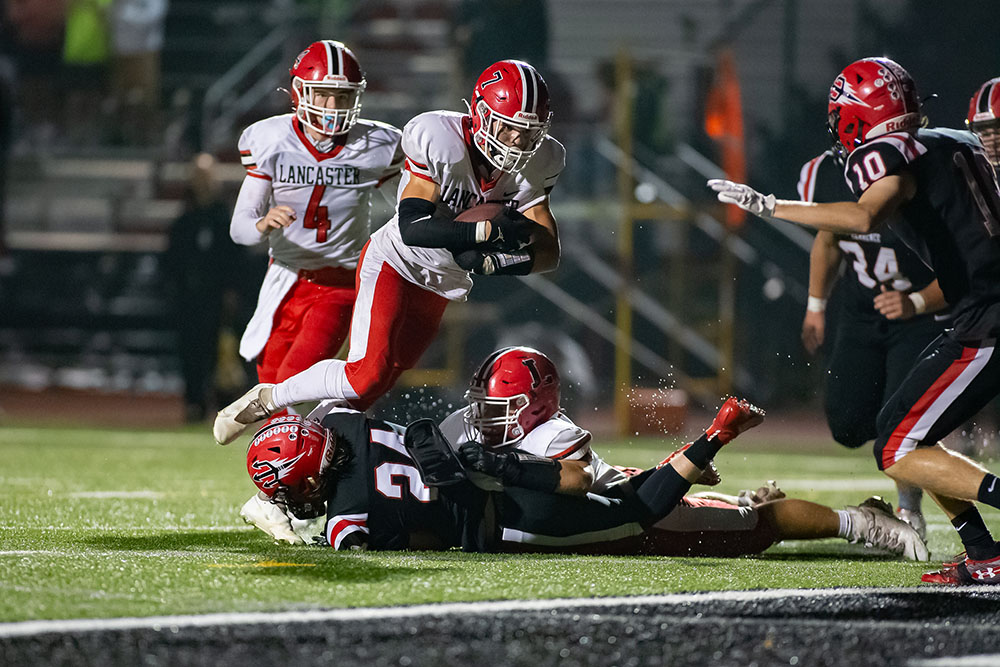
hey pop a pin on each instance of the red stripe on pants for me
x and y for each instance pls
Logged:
(949, 375)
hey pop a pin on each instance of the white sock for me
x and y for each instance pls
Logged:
(846, 524)
(323, 380)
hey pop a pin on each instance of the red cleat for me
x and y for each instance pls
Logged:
(735, 416)
(965, 573)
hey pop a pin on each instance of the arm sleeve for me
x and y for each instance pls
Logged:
(252, 203)
(420, 225)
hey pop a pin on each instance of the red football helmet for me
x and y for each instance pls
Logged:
(329, 67)
(515, 390)
(984, 118)
(871, 97)
(286, 460)
(509, 96)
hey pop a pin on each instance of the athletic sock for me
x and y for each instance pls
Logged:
(846, 524)
(702, 451)
(910, 497)
(661, 492)
(989, 491)
(976, 538)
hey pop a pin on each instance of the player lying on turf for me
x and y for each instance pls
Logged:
(387, 487)
(697, 526)
(514, 403)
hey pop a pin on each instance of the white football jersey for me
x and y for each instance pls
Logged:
(330, 192)
(437, 146)
(557, 438)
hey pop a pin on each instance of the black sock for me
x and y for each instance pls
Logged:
(661, 491)
(979, 544)
(989, 491)
(702, 451)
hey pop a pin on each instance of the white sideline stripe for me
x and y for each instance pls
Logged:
(836, 484)
(116, 494)
(984, 660)
(28, 628)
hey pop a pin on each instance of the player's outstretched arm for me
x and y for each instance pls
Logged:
(878, 202)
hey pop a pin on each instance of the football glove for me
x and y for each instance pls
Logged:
(743, 196)
(432, 454)
(269, 517)
(509, 232)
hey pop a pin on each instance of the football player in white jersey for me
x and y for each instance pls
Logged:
(514, 405)
(310, 178)
(422, 258)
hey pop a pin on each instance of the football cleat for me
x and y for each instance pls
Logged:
(874, 525)
(965, 573)
(250, 408)
(270, 518)
(709, 475)
(915, 519)
(735, 416)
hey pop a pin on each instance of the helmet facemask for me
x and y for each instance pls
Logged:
(318, 116)
(988, 132)
(494, 421)
(492, 128)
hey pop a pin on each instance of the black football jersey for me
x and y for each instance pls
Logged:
(953, 220)
(379, 498)
(873, 260)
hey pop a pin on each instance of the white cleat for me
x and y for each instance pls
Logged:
(270, 518)
(915, 519)
(250, 408)
(875, 526)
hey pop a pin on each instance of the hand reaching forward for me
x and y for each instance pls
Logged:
(743, 196)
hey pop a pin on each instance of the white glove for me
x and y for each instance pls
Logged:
(743, 196)
(308, 529)
(270, 518)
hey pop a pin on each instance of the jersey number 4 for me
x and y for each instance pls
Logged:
(316, 215)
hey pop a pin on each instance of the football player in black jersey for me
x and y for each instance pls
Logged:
(884, 319)
(945, 192)
(984, 118)
(379, 494)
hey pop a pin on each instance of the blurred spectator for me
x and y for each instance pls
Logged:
(33, 34)
(137, 39)
(201, 267)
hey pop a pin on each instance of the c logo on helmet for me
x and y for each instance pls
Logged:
(837, 89)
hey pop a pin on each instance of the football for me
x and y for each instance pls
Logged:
(486, 211)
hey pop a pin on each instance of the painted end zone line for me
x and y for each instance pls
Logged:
(157, 623)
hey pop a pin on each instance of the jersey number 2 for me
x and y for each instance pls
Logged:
(316, 215)
(387, 482)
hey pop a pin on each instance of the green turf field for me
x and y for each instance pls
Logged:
(101, 523)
